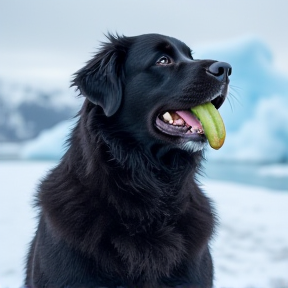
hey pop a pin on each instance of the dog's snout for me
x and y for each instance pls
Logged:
(220, 70)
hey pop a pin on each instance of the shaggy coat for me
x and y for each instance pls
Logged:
(123, 207)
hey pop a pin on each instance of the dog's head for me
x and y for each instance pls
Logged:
(146, 85)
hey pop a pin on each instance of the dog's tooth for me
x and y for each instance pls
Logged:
(167, 117)
(198, 130)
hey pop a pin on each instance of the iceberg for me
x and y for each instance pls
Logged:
(50, 144)
(255, 113)
(253, 78)
(263, 138)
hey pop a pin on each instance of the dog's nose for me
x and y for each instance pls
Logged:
(220, 70)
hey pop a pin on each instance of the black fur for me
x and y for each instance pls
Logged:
(123, 208)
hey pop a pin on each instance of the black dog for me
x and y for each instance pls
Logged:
(122, 208)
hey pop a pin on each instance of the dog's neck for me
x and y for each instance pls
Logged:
(153, 176)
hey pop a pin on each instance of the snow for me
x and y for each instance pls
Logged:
(277, 170)
(251, 246)
(255, 119)
(249, 250)
(17, 218)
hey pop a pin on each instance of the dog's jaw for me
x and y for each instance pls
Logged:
(192, 146)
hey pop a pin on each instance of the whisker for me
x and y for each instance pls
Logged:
(230, 103)
(234, 96)
(236, 87)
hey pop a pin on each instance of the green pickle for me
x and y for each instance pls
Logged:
(212, 124)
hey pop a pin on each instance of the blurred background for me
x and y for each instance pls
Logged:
(44, 42)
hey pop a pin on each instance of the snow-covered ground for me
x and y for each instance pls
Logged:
(249, 250)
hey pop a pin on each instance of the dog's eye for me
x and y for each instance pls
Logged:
(164, 60)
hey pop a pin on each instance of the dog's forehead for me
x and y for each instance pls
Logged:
(149, 43)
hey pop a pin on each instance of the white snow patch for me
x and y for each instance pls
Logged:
(249, 250)
(19, 182)
(251, 246)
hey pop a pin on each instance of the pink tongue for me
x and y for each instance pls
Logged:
(190, 119)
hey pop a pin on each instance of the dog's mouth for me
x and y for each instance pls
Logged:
(179, 123)
(196, 124)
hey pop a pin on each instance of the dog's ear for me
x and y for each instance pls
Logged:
(101, 80)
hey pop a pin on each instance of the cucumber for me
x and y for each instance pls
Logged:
(212, 124)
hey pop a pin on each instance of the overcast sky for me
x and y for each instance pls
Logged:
(44, 42)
